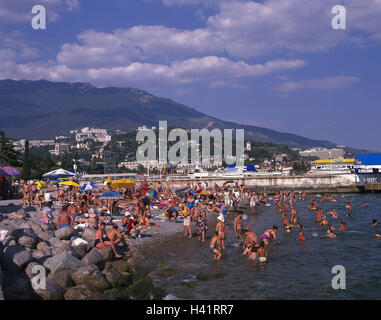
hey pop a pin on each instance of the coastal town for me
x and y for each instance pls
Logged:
(179, 158)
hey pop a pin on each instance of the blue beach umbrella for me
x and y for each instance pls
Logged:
(88, 187)
(111, 195)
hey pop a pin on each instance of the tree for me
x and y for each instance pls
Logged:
(8, 155)
(26, 163)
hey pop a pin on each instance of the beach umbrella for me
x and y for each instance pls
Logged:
(121, 183)
(111, 195)
(88, 187)
(152, 193)
(40, 185)
(9, 171)
(204, 192)
(59, 173)
(108, 180)
(69, 183)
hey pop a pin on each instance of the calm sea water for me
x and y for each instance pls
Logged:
(293, 270)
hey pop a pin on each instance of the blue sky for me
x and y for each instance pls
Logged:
(273, 63)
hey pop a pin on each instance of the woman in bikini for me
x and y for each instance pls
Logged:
(269, 235)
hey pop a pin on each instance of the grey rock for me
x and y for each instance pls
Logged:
(64, 261)
(54, 242)
(27, 242)
(64, 233)
(94, 257)
(52, 291)
(42, 246)
(107, 253)
(89, 235)
(90, 276)
(15, 258)
(45, 235)
(82, 292)
(79, 251)
(63, 278)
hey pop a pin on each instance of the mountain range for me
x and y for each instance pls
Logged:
(44, 109)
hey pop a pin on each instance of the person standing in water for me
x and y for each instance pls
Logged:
(238, 226)
(221, 231)
(212, 246)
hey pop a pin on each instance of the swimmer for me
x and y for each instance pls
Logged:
(343, 227)
(330, 234)
(301, 237)
(374, 222)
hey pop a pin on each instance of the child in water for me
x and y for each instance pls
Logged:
(262, 252)
(301, 237)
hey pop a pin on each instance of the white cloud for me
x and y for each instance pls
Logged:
(17, 11)
(328, 83)
(207, 69)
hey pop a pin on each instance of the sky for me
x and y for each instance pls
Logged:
(277, 64)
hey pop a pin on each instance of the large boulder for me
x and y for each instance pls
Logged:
(63, 278)
(64, 233)
(90, 276)
(94, 257)
(54, 242)
(45, 235)
(42, 246)
(121, 265)
(89, 235)
(79, 251)
(83, 292)
(15, 258)
(62, 262)
(48, 227)
(52, 290)
(27, 242)
(116, 278)
(107, 253)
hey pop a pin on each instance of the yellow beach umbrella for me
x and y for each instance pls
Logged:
(204, 192)
(123, 183)
(108, 180)
(69, 183)
(40, 185)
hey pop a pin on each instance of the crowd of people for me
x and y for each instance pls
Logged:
(118, 219)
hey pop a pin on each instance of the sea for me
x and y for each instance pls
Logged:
(294, 270)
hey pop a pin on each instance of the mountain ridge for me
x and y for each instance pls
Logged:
(44, 109)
